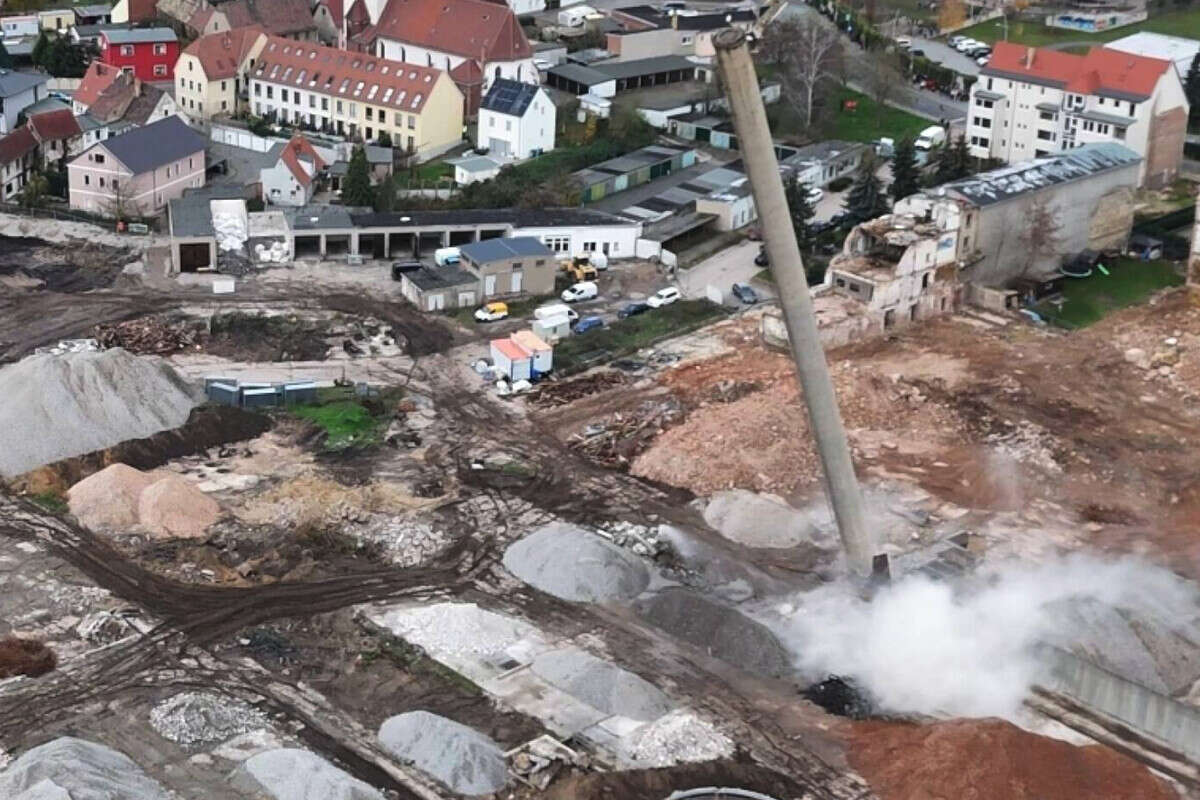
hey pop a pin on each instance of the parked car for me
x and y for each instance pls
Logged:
(982, 50)
(491, 312)
(588, 324)
(814, 194)
(585, 290)
(983, 60)
(917, 52)
(955, 39)
(401, 267)
(663, 297)
(633, 309)
(761, 260)
(745, 292)
(903, 42)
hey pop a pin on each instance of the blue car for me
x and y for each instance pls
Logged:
(586, 324)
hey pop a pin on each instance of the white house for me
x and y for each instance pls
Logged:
(291, 180)
(18, 91)
(1031, 102)
(516, 120)
(22, 25)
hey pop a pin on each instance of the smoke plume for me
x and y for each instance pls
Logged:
(920, 646)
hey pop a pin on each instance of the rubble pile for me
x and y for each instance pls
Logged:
(356, 337)
(992, 758)
(572, 564)
(678, 738)
(199, 717)
(69, 346)
(409, 543)
(462, 758)
(601, 685)
(292, 774)
(230, 230)
(560, 393)
(640, 540)
(56, 407)
(454, 628)
(148, 336)
(618, 439)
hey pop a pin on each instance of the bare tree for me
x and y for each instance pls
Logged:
(1041, 234)
(120, 205)
(885, 82)
(807, 52)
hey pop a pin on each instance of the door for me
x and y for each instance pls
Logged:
(516, 280)
(466, 299)
(497, 147)
(489, 285)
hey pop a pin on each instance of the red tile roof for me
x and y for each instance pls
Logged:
(469, 28)
(220, 54)
(17, 144)
(343, 74)
(334, 7)
(142, 10)
(114, 101)
(278, 17)
(294, 152)
(99, 76)
(1101, 70)
(54, 125)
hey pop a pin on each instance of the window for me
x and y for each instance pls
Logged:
(324, 103)
(87, 180)
(160, 69)
(382, 116)
(191, 65)
(102, 183)
(411, 144)
(160, 49)
(1046, 136)
(1046, 115)
(224, 105)
(312, 101)
(116, 185)
(925, 281)
(126, 49)
(223, 85)
(296, 98)
(1119, 133)
(370, 113)
(270, 92)
(979, 101)
(1132, 109)
(982, 122)
(258, 90)
(190, 164)
(98, 158)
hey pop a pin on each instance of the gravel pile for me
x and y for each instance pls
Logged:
(721, 631)
(60, 406)
(108, 499)
(74, 769)
(601, 685)
(455, 628)
(572, 564)
(291, 774)
(462, 758)
(198, 717)
(678, 738)
(757, 520)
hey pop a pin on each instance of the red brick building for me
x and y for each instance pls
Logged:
(149, 53)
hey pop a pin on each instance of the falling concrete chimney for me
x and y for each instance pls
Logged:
(674, 19)
(1029, 51)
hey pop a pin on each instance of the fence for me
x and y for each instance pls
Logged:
(73, 215)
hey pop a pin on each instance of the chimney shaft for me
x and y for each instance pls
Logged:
(1029, 51)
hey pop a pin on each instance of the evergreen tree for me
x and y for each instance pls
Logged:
(866, 198)
(799, 208)
(356, 187)
(953, 162)
(386, 198)
(41, 49)
(905, 175)
(1191, 85)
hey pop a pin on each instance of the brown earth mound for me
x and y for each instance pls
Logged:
(109, 499)
(990, 759)
(172, 507)
(25, 657)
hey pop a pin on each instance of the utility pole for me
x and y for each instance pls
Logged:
(787, 269)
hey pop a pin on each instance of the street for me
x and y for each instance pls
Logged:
(723, 269)
(947, 56)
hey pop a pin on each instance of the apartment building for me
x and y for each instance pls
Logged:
(149, 53)
(1032, 102)
(139, 172)
(358, 96)
(213, 71)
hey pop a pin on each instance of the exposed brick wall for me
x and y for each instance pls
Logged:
(1111, 220)
(1164, 153)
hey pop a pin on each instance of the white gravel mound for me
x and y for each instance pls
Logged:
(678, 738)
(77, 769)
(196, 717)
(757, 520)
(462, 758)
(455, 628)
(108, 500)
(292, 774)
(173, 508)
(601, 685)
(58, 406)
(572, 564)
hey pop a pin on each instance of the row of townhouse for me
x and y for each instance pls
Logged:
(1032, 102)
(354, 94)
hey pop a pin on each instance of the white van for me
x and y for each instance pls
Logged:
(931, 137)
(584, 290)
(555, 310)
(447, 255)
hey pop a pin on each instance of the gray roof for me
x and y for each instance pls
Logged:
(477, 164)
(147, 148)
(431, 277)
(825, 151)
(580, 74)
(643, 66)
(504, 249)
(517, 217)
(312, 218)
(12, 83)
(986, 95)
(1001, 184)
(94, 10)
(509, 97)
(378, 155)
(190, 214)
(141, 35)
(44, 105)
(1112, 119)
(1051, 107)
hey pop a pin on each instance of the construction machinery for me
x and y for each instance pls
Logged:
(579, 268)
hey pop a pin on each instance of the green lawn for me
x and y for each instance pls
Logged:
(1176, 23)
(628, 335)
(869, 121)
(424, 175)
(1130, 281)
(346, 423)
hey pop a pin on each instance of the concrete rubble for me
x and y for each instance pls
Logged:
(677, 738)
(193, 718)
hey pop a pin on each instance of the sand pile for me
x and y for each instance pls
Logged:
(291, 774)
(757, 520)
(572, 564)
(108, 499)
(75, 769)
(722, 632)
(66, 405)
(462, 758)
(164, 506)
(991, 758)
(602, 685)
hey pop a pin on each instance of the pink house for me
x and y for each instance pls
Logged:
(139, 172)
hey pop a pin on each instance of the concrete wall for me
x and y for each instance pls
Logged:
(615, 241)
(496, 278)
(1006, 256)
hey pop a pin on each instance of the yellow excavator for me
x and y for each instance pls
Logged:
(579, 267)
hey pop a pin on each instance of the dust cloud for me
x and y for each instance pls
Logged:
(920, 646)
